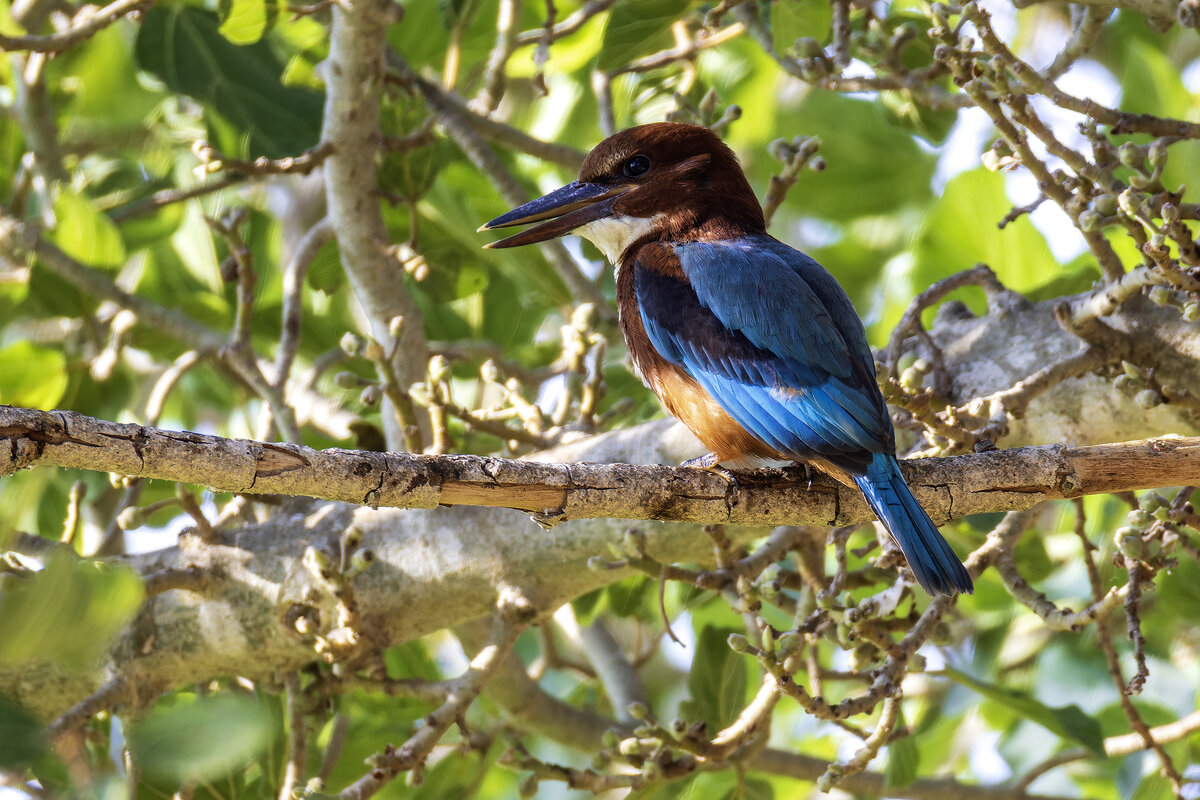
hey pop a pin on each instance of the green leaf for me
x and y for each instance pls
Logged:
(1179, 591)
(902, 760)
(1153, 787)
(791, 19)
(638, 29)
(200, 738)
(184, 48)
(245, 22)
(20, 735)
(718, 678)
(67, 613)
(863, 149)
(963, 229)
(85, 234)
(410, 660)
(32, 376)
(1068, 722)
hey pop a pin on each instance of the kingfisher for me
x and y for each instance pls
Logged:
(750, 343)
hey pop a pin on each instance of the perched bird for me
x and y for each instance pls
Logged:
(750, 343)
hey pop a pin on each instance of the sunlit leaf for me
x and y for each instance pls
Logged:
(32, 376)
(68, 612)
(791, 19)
(185, 49)
(200, 738)
(85, 234)
(245, 21)
(638, 29)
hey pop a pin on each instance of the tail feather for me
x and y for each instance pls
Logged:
(935, 565)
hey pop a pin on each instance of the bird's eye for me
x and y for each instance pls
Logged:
(636, 166)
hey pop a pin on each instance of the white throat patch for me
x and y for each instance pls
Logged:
(613, 234)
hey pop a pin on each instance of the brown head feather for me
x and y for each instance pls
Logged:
(694, 180)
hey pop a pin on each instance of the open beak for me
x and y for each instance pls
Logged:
(563, 210)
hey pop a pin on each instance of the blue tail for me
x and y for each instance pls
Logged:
(929, 556)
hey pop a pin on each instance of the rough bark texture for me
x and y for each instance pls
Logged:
(439, 567)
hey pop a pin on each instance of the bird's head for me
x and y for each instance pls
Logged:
(665, 181)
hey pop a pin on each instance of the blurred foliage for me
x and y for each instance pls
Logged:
(901, 204)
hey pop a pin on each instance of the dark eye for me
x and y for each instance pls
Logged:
(636, 166)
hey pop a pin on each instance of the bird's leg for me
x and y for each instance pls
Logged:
(709, 462)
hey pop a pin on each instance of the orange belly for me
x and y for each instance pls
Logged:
(687, 401)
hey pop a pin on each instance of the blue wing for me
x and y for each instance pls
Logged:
(774, 339)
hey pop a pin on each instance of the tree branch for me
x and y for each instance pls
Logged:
(949, 488)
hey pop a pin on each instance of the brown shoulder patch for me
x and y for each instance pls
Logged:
(660, 257)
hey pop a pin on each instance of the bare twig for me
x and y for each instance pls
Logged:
(86, 23)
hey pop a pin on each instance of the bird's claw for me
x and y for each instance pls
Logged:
(708, 462)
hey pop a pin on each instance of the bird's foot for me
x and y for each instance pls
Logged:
(709, 463)
(706, 461)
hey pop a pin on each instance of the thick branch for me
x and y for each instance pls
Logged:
(948, 487)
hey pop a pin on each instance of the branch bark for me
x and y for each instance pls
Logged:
(949, 488)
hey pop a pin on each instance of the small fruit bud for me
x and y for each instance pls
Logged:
(1139, 518)
(1128, 202)
(371, 395)
(1131, 545)
(396, 326)
(1130, 155)
(630, 747)
(1090, 221)
(439, 368)
(131, 518)
(738, 643)
(345, 380)
(351, 344)
(1148, 398)
(1170, 213)
(1105, 204)
(1161, 296)
(1157, 154)
(1191, 312)
(362, 559)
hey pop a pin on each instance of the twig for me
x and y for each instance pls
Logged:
(568, 26)
(112, 692)
(389, 764)
(293, 771)
(888, 718)
(86, 23)
(293, 289)
(457, 125)
(1089, 21)
(1114, 666)
(355, 82)
(191, 579)
(507, 17)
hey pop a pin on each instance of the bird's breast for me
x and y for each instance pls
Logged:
(680, 393)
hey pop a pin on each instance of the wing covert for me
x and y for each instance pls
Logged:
(763, 343)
